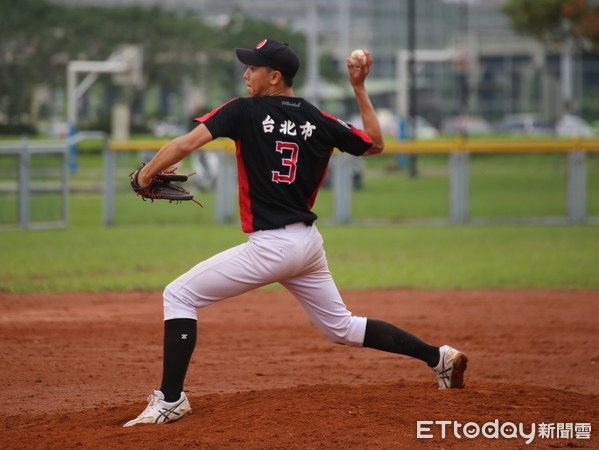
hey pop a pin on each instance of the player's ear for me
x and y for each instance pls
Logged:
(275, 77)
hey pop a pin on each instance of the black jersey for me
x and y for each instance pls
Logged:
(283, 149)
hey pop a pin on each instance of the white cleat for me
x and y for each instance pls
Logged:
(159, 411)
(451, 368)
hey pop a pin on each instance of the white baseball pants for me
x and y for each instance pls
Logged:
(293, 256)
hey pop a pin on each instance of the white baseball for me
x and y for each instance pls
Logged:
(358, 58)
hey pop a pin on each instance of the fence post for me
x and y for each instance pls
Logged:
(225, 189)
(109, 158)
(24, 163)
(459, 186)
(577, 178)
(342, 187)
(65, 186)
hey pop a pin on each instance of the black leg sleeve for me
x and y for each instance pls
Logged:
(180, 337)
(387, 337)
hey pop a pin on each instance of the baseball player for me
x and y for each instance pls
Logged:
(283, 144)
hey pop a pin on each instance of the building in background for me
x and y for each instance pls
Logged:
(480, 67)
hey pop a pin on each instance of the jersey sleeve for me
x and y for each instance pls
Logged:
(224, 121)
(348, 138)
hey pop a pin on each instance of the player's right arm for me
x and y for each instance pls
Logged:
(173, 152)
(370, 122)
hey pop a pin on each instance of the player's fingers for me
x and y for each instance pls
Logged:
(353, 70)
(368, 58)
(142, 178)
(357, 75)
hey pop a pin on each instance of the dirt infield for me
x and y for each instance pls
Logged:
(75, 367)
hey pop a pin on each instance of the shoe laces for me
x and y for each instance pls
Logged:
(152, 401)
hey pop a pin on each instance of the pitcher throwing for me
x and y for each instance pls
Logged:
(284, 144)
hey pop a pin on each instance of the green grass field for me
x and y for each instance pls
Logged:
(93, 258)
(152, 243)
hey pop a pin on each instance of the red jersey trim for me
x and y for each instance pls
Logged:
(245, 207)
(355, 130)
(207, 116)
(312, 198)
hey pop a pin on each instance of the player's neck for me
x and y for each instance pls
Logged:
(280, 91)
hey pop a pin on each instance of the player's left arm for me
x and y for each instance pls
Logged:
(173, 152)
(370, 122)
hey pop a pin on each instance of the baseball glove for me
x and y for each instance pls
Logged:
(162, 188)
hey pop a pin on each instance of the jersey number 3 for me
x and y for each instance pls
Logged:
(289, 160)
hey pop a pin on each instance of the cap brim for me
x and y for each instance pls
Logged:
(249, 57)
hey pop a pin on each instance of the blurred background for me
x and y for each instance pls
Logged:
(476, 66)
(448, 71)
(516, 79)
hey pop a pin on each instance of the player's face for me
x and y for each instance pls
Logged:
(258, 80)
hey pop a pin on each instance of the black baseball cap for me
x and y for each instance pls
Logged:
(271, 53)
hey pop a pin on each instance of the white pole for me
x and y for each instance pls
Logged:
(312, 68)
(72, 116)
(74, 92)
(566, 77)
(71, 96)
(344, 24)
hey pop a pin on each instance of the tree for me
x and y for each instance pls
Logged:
(172, 42)
(29, 38)
(246, 31)
(38, 38)
(556, 21)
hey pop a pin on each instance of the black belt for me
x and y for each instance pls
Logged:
(306, 222)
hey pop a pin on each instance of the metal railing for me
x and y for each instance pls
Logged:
(25, 150)
(459, 152)
(461, 149)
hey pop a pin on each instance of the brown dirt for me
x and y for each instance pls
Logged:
(75, 367)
